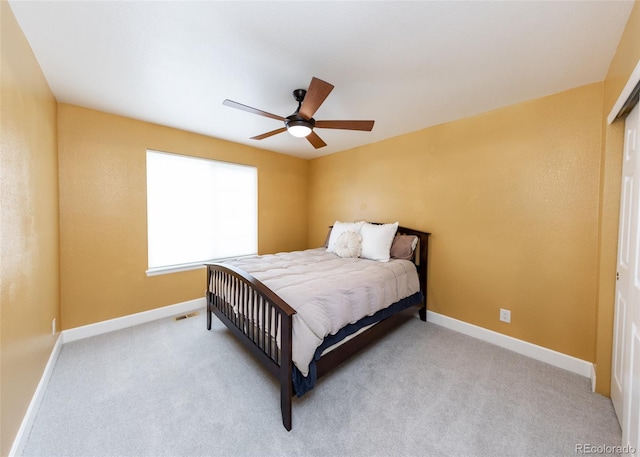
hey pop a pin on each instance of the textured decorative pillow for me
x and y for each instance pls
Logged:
(349, 244)
(403, 246)
(338, 229)
(376, 241)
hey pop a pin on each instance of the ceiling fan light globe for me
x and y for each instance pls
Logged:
(299, 131)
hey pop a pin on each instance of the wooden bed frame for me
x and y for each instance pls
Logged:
(241, 302)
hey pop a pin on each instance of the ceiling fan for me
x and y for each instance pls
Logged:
(301, 123)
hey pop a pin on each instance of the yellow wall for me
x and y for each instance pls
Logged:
(103, 227)
(622, 65)
(29, 272)
(511, 199)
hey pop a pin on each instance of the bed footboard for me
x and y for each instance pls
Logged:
(260, 319)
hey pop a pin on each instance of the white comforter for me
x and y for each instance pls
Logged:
(328, 292)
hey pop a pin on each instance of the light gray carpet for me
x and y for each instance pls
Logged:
(172, 388)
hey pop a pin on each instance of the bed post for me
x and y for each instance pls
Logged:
(422, 272)
(421, 259)
(286, 367)
(209, 296)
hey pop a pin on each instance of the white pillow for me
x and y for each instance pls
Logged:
(348, 244)
(376, 241)
(338, 229)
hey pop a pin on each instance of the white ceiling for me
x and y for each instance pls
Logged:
(407, 65)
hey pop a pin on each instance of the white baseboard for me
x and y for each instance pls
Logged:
(119, 323)
(30, 416)
(557, 359)
(87, 331)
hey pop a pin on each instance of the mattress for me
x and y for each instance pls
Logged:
(329, 292)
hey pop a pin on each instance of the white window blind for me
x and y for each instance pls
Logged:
(198, 210)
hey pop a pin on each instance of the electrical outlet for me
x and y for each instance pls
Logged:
(505, 315)
(53, 326)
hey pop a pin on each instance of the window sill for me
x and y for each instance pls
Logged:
(156, 271)
(174, 269)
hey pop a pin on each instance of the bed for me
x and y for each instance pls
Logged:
(303, 313)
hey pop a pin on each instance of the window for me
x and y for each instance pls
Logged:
(198, 210)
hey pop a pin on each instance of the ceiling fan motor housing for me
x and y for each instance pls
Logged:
(296, 122)
(296, 119)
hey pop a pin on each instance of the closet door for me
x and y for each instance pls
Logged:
(625, 373)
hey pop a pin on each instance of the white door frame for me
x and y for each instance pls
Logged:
(627, 399)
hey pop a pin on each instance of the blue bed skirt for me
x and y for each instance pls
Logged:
(302, 384)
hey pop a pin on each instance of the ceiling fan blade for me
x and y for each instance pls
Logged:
(315, 140)
(316, 94)
(346, 125)
(248, 109)
(268, 134)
